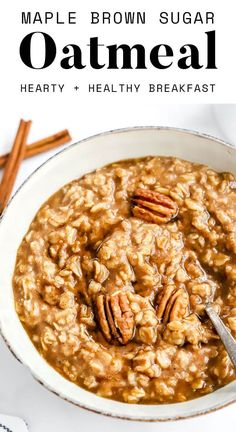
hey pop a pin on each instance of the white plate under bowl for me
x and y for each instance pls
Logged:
(67, 165)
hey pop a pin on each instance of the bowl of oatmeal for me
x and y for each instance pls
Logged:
(112, 249)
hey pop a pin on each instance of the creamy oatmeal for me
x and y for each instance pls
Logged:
(112, 279)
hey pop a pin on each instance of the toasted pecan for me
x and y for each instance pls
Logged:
(153, 206)
(115, 317)
(172, 304)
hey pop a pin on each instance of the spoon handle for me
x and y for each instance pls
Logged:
(225, 335)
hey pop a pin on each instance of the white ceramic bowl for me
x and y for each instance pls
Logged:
(69, 164)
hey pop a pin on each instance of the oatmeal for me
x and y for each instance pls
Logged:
(112, 279)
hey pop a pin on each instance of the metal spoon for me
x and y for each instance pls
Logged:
(227, 339)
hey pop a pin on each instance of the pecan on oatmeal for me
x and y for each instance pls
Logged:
(115, 317)
(111, 286)
(153, 206)
(173, 304)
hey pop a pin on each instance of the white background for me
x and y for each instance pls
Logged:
(84, 106)
(85, 115)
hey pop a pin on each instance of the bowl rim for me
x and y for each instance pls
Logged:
(80, 404)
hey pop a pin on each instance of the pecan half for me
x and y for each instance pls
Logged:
(153, 206)
(115, 317)
(172, 304)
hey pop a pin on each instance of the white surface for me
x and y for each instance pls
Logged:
(12, 424)
(225, 117)
(19, 393)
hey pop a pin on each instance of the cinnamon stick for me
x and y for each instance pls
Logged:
(13, 163)
(43, 145)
